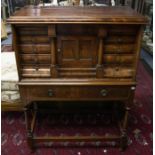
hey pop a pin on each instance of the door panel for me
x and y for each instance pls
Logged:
(85, 51)
(77, 51)
(69, 50)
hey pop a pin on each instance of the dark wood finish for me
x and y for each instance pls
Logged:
(91, 50)
(29, 128)
(76, 53)
(77, 14)
(75, 139)
(87, 93)
(33, 48)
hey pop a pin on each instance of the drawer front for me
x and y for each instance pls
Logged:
(118, 72)
(116, 48)
(32, 30)
(35, 48)
(35, 65)
(117, 39)
(30, 39)
(35, 93)
(36, 59)
(121, 30)
(35, 71)
(119, 59)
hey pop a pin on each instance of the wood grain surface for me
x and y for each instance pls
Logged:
(77, 14)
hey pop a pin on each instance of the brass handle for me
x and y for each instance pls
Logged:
(119, 49)
(59, 50)
(119, 40)
(50, 92)
(34, 33)
(35, 59)
(117, 69)
(36, 67)
(33, 40)
(34, 48)
(104, 92)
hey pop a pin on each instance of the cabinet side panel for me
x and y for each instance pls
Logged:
(16, 49)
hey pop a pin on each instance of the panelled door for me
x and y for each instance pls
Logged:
(77, 55)
(75, 52)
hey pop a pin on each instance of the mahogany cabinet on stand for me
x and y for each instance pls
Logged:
(76, 54)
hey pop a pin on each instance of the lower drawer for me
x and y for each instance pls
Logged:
(36, 58)
(42, 92)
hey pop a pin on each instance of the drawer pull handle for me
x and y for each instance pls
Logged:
(35, 59)
(104, 92)
(59, 50)
(119, 40)
(117, 69)
(50, 92)
(33, 40)
(34, 49)
(133, 88)
(119, 49)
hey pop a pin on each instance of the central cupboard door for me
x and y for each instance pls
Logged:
(77, 52)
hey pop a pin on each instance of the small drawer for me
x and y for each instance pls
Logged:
(118, 72)
(29, 39)
(122, 30)
(118, 59)
(35, 71)
(32, 30)
(33, 48)
(120, 39)
(119, 48)
(35, 59)
(40, 92)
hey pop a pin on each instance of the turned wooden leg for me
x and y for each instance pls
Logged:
(124, 141)
(124, 138)
(27, 112)
(30, 141)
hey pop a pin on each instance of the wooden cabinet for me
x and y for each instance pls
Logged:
(77, 53)
(78, 50)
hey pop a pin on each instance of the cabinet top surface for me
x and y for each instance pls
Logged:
(77, 14)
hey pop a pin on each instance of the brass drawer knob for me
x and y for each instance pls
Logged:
(104, 92)
(50, 92)
(35, 59)
(34, 49)
(117, 69)
(119, 49)
(119, 40)
(33, 40)
(59, 50)
(133, 88)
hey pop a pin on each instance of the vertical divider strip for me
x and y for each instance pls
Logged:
(15, 44)
(52, 36)
(99, 68)
(100, 52)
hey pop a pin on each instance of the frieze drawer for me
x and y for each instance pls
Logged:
(40, 92)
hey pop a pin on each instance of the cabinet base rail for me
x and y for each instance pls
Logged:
(31, 116)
